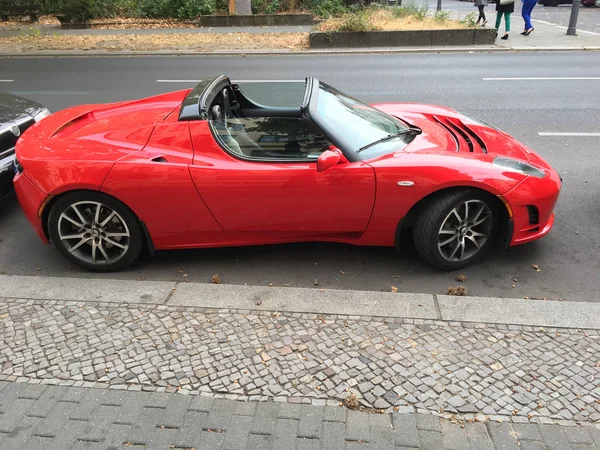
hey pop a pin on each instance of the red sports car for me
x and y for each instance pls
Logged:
(228, 164)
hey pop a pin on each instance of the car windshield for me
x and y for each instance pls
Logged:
(360, 124)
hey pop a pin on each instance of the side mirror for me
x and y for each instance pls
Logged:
(328, 159)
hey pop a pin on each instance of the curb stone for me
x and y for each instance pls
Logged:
(279, 52)
(308, 300)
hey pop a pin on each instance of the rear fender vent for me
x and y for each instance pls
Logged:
(449, 130)
(476, 137)
(456, 128)
(462, 133)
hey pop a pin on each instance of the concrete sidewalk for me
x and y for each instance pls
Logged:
(546, 35)
(101, 363)
(48, 417)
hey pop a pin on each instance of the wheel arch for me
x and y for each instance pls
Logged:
(405, 226)
(148, 243)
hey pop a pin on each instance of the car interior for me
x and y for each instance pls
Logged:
(252, 130)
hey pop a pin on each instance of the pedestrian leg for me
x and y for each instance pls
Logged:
(498, 20)
(528, 6)
(482, 14)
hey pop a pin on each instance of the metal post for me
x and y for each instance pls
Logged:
(572, 30)
(439, 5)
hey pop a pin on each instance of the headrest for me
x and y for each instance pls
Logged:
(217, 113)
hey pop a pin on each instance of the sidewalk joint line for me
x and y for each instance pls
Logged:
(438, 311)
(170, 294)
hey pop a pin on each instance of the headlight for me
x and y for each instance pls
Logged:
(41, 114)
(518, 166)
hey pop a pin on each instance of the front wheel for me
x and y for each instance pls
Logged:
(95, 231)
(456, 229)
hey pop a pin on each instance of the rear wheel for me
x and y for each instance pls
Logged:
(95, 231)
(456, 229)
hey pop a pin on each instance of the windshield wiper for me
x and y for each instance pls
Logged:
(402, 132)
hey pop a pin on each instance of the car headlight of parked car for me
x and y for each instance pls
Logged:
(41, 114)
(518, 166)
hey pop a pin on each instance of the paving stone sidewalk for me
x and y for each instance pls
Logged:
(69, 418)
(458, 371)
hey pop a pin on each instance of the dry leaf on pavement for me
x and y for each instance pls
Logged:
(457, 290)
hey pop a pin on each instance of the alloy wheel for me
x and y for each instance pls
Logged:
(465, 230)
(93, 232)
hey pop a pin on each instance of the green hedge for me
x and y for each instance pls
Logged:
(84, 10)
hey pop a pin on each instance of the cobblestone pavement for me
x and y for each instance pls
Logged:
(70, 418)
(469, 371)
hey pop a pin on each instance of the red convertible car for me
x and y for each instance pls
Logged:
(225, 164)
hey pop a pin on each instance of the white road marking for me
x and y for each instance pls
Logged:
(567, 133)
(234, 81)
(49, 92)
(565, 28)
(540, 78)
(6, 81)
(178, 81)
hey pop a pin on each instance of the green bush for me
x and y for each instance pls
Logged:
(356, 22)
(470, 20)
(265, 6)
(82, 10)
(326, 8)
(411, 9)
(176, 9)
(441, 16)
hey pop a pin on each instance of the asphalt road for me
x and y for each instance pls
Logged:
(568, 257)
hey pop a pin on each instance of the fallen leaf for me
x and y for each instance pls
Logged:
(457, 290)
(351, 402)
(461, 278)
(394, 289)
(536, 267)
(216, 279)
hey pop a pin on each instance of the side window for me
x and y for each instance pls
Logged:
(271, 138)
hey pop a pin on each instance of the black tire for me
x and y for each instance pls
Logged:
(124, 221)
(427, 230)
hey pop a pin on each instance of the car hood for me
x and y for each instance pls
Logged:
(444, 128)
(13, 107)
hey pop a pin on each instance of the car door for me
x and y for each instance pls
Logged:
(260, 174)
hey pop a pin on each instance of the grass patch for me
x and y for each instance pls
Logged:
(407, 17)
(470, 21)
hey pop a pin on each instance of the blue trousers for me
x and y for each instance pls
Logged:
(528, 6)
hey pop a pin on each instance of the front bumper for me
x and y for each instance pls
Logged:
(532, 202)
(7, 173)
(31, 199)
